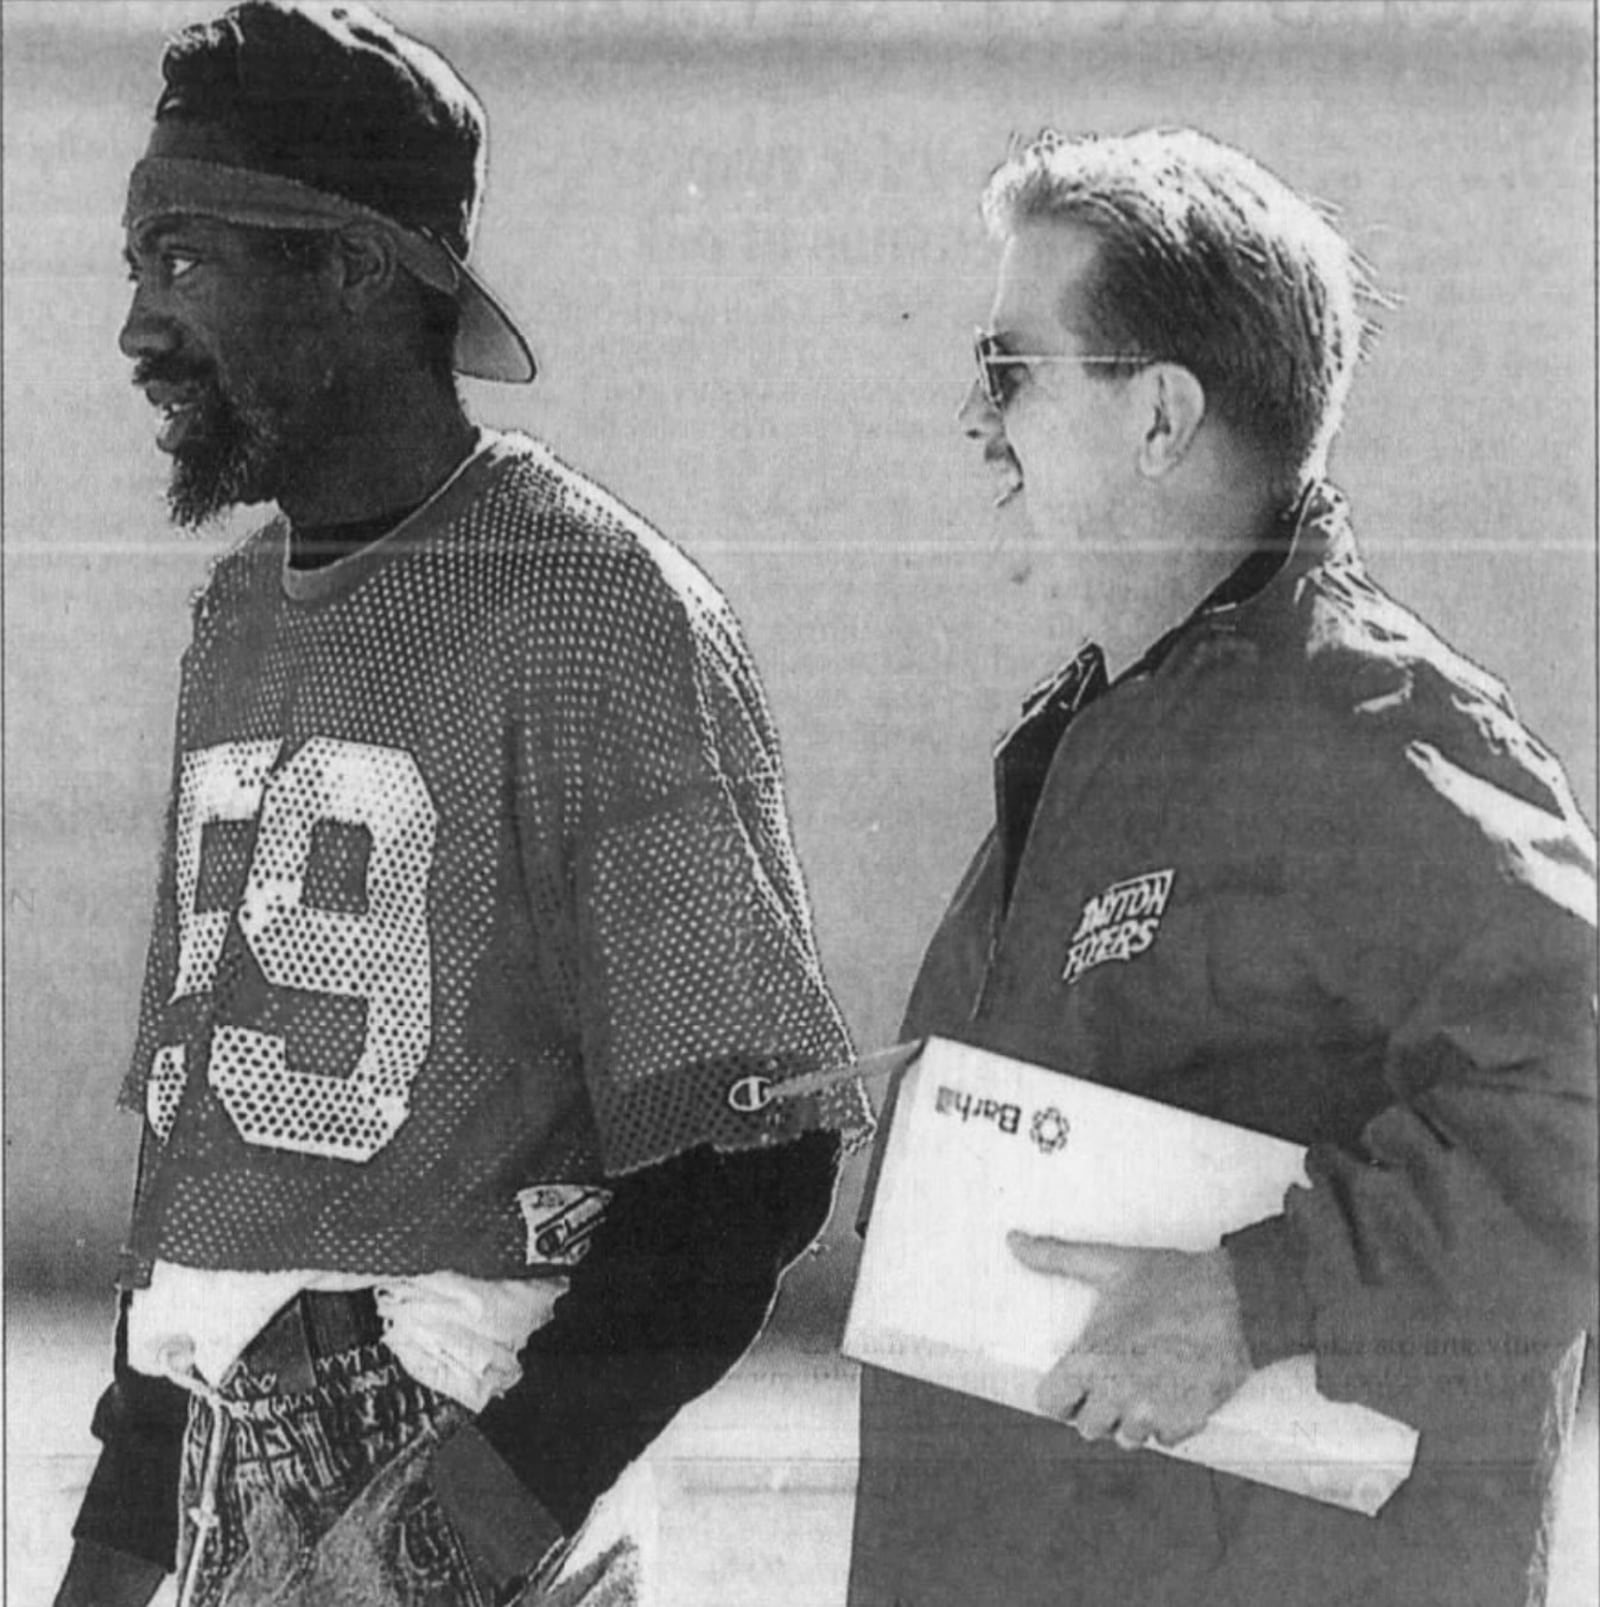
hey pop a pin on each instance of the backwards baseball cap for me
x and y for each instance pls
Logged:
(304, 116)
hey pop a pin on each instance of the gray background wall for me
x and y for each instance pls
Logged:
(745, 240)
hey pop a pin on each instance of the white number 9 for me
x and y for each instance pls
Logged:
(381, 955)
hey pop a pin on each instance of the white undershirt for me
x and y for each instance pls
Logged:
(456, 1334)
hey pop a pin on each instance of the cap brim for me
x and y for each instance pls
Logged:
(488, 344)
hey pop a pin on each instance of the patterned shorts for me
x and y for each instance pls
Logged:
(322, 1496)
(321, 1499)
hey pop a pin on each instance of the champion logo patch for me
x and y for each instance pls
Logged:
(1119, 923)
(750, 1094)
(561, 1219)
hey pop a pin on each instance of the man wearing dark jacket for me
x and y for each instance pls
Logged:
(1365, 924)
(479, 928)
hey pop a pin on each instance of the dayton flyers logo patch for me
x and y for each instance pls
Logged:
(1119, 923)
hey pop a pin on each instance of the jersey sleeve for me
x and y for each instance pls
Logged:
(151, 1087)
(698, 981)
(161, 961)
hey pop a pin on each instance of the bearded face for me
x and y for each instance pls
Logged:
(228, 450)
(231, 345)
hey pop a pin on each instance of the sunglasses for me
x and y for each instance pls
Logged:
(996, 366)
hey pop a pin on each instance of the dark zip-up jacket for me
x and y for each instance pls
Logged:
(1303, 870)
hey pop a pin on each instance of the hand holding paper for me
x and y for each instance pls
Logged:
(1163, 1348)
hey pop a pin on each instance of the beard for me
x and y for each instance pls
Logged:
(231, 456)
(233, 446)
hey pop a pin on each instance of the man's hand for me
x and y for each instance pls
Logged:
(1163, 1348)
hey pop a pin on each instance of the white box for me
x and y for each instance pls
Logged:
(979, 1145)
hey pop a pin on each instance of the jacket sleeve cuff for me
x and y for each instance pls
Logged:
(1267, 1260)
(509, 1534)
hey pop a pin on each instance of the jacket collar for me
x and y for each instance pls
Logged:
(1314, 532)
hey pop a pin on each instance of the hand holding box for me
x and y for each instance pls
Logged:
(981, 1146)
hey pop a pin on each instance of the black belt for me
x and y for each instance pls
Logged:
(314, 1325)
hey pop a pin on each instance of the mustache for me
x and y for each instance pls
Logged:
(167, 370)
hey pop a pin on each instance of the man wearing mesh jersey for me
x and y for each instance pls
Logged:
(479, 941)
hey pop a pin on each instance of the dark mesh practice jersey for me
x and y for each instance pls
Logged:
(477, 877)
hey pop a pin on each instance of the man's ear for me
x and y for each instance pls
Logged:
(367, 263)
(1172, 407)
